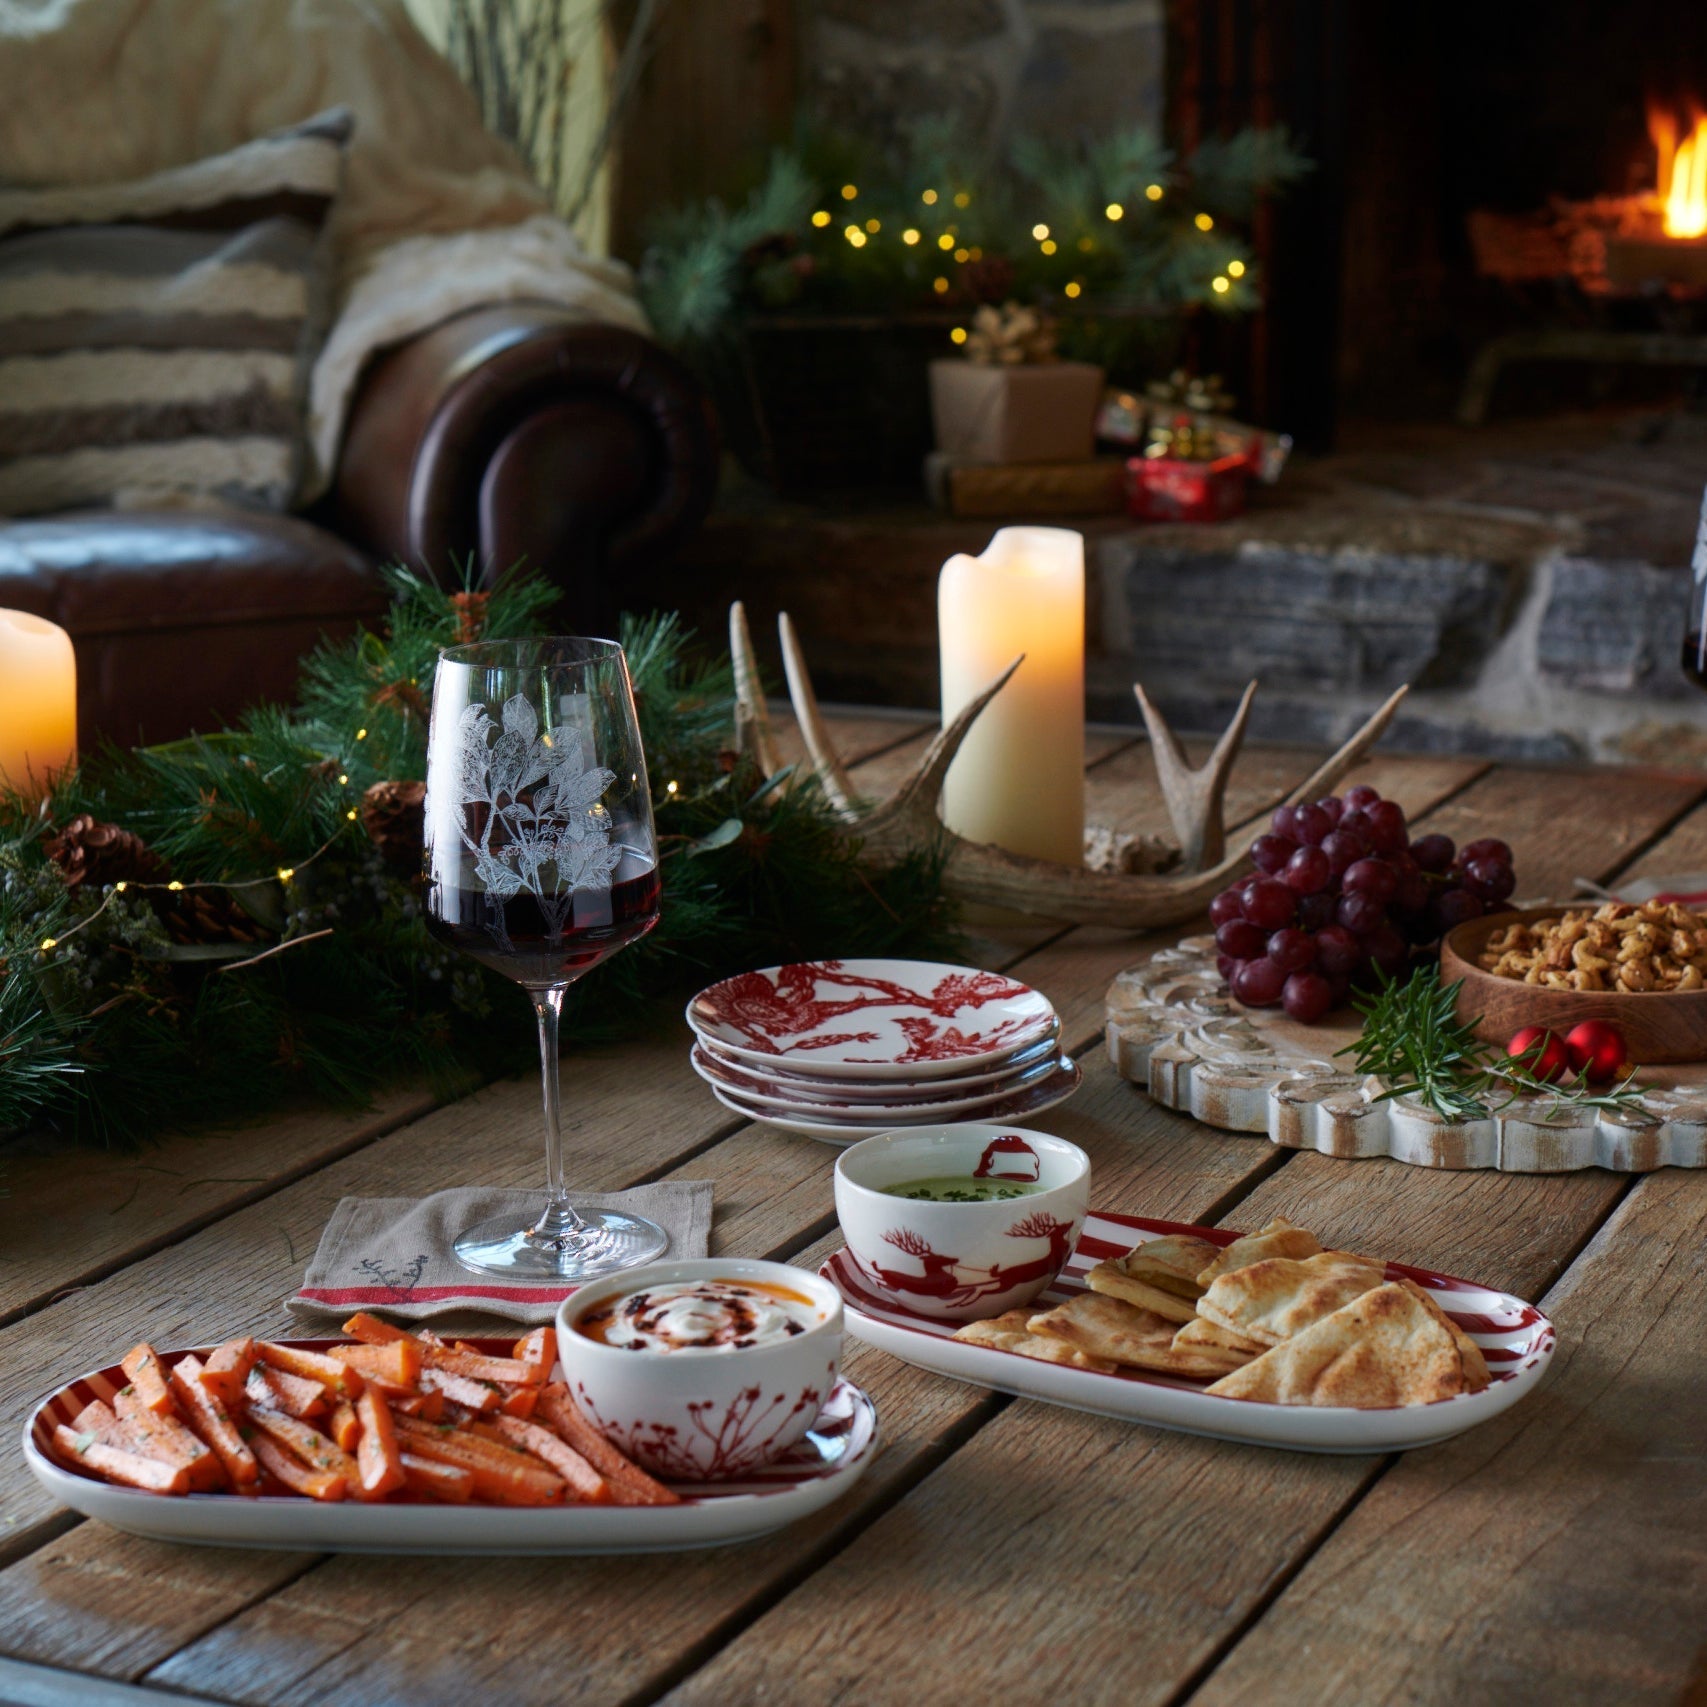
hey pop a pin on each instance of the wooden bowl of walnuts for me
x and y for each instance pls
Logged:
(1640, 966)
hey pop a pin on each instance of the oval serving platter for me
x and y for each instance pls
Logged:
(834, 1455)
(1516, 1339)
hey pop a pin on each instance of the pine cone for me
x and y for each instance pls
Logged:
(208, 915)
(393, 817)
(88, 851)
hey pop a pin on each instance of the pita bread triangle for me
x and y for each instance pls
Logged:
(1273, 1299)
(1384, 1349)
(1278, 1239)
(1109, 1328)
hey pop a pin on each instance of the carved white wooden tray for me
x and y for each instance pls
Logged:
(1174, 1029)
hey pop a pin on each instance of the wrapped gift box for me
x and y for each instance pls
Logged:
(1023, 412)
(1171, 489)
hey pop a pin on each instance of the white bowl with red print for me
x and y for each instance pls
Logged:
(695, 1414)
(961, 1262)
(871, 1019)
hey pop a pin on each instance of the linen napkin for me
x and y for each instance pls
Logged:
(394, 1254)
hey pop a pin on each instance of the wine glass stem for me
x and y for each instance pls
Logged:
(559, 1219)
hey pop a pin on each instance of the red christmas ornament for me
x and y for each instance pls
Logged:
(1548, 1058)
(1598, 1050)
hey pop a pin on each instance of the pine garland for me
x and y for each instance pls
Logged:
(285, 951)
(1080, 228)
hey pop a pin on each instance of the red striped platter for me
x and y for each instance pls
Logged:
(833, 1456)
(1516, 1339)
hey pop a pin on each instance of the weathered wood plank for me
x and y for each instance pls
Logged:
(1560, 1553)
(1568, 824)
(123, 1207)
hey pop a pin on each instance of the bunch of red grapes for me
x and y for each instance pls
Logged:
(1340, 893)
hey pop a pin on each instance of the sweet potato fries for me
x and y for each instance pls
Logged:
(391, 1416)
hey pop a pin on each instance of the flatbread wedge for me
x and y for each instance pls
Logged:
(1382, 1350)
(1278, 1239)
(1476, 1375)
(1201, 1335)
(1274, 1299)
(1110, 1328)
(1009, 1333)
(1159, 1275)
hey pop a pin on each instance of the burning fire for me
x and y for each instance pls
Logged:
(1682, 180)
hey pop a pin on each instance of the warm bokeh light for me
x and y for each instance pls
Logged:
(1074, 288)
(1220, 286)
(910, 235)
(1153, 192)
(929, 198)
(1115, 211)
(958, 335)
(1236, 268)
(1040, 232)
(962, 199)
(1204, 223)
(874, 226)
(963, 256)
(1048, 245)
(855, 236)
(940, 286)
(821, 218)
(849, 191)
(945, 241)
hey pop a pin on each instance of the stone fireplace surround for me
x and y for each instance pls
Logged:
(1529, 579)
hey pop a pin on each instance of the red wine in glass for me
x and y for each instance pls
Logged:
(520, 939)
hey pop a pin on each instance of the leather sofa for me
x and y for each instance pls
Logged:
(506, 433)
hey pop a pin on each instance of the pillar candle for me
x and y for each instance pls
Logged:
(38, 700)
(1019, 780)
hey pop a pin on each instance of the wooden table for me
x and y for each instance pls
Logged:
(999, 1550)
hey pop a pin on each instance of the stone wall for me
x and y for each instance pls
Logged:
(1053, 67)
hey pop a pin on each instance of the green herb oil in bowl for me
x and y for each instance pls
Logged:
(957, 1188)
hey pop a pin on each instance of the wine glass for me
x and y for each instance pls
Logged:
(541, 861)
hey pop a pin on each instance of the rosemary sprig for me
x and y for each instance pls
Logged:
(1413, 1039)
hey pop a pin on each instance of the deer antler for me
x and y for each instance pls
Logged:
(975, 871)
(1194, 796)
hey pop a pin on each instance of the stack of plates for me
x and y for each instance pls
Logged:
(840, 1049)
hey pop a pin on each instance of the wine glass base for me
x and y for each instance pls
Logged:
(606, 1242)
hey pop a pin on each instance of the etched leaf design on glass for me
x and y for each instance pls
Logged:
(530, 806)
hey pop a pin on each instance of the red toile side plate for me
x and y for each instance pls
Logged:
(1516, 1339)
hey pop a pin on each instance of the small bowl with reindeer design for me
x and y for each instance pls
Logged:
(961, 1222)
(705, 1368)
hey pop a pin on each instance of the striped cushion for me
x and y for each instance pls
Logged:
(156, 336)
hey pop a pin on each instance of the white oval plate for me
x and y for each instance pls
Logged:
(775, 1081)
(822, 1468)
(829, 1108)
(1516, 1339)
(871, 1019)
(1055, 1089)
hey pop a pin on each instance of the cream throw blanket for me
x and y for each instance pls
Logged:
(436, 215)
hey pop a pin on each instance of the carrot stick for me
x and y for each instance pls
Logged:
(436, 1481)
(460, 1388)
(128, 1469)
(584, 1481)
(212, 1422)
(395, 1364)
(142, 1364)
(295, 1475)
(377, 1457)
(519, 1401)
(278, 1390)
(226, 1369)
(370, 1330)
(328, 1371)
(479, 1368)
(538, 1348)
(343, 1427)
(312, 1447)
(629, 1484)
(166, 1438)
(504, 1476)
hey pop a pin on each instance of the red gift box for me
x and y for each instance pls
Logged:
(1170, 489)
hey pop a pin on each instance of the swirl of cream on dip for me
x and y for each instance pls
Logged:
(705, 1315)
